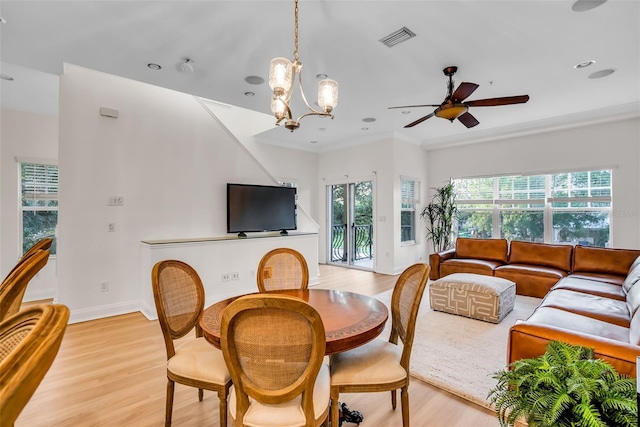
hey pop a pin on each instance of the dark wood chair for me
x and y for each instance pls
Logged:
(274, 347)
(382, 365)
(29, 343)
(282, 268)
(179, 298)
(15, 284)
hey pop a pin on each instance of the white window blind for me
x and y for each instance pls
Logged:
(39, 182)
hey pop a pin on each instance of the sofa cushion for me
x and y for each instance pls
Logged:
(541, 254)
(603, 260)
(632, 278)
(593, 287)
(477, 266)
(577, 323)
(633, 298)
(600, 277)
(530, 280)
(594, 306)
(489, 249)
(634, 330)
(532, 270)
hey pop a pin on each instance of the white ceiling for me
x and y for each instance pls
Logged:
(507, 47)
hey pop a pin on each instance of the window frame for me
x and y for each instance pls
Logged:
(498, 204)
(26, 208)
(413, 200)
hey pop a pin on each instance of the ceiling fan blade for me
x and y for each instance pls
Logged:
(464, 90)
(420, 120)
(491, 102)
(416, 106)
(468, 120)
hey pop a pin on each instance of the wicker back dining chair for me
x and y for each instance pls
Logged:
(282, 268)
(274, 346)
(179, 298)
(29, 343)
(15, 284)
(382, 365)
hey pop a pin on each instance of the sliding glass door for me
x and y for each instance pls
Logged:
(350, 234)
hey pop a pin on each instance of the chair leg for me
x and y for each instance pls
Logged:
(200, 395)
(222, 395)
(169, 408)
(393, 399)
(404, 397)
(335, 393)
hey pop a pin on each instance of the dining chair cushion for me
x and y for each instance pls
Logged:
(199, 360)
(376, 362)
(288, 414)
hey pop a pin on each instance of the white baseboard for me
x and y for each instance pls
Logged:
(148, 311)
(93, 313)
(39, 295)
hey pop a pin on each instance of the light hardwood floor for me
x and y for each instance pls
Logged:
(111, 372)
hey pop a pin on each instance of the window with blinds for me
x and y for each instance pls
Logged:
(570, 207)
(410, 197)
(39, 206)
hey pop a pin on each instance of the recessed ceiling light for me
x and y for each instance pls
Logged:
(254, 80)
(6, 77)
(2, 20)
(406, 112)
(602, 73)
(322, 129)
(249, 94)
(154, 67)
(313, 142)
(369, 119)
(584, 64)
(364, 128)
(584, 5)
(321, 76)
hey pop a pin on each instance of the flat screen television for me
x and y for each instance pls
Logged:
(252, 208)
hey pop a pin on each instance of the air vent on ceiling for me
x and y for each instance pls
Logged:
(397, 37)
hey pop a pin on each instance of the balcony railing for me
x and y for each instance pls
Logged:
(363, 237)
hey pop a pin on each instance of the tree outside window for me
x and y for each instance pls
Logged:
(410, 189)
(39, 203)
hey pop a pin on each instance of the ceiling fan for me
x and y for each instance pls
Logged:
(453, 106)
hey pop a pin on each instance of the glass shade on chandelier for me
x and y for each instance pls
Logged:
(451, 111)
(282, 76)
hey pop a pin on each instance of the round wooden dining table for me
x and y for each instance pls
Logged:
(349, 319)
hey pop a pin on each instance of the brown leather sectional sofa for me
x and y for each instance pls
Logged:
(588, 294)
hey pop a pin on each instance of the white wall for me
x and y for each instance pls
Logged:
(33, 137)
(169, 160)
(382, 162)
(613, 145)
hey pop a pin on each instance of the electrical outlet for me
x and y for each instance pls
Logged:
(225, 277)
(115, 201)
(104, 286)
(111, 227)
(235, 276)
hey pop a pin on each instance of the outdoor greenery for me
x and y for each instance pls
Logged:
(439, 216)
(565, 387)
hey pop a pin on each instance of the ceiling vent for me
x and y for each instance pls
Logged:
(397, 37)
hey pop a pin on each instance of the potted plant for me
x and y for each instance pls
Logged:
(566, 386)
(439, 216)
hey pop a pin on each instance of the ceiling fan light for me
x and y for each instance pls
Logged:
(327, 94)
(452, 112)
(280, 75)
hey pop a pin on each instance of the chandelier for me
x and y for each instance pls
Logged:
(282, 75)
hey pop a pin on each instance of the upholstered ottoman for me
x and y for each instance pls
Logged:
(477, 296)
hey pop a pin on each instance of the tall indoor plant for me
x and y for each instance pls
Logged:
(440, 215)
(565, 387)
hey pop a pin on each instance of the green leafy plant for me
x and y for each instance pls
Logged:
(439, 216)
(565, 387)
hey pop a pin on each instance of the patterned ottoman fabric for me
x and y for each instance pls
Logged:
(477, 296)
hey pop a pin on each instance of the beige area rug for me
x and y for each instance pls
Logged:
(459, 354)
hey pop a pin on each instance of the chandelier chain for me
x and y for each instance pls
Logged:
(295, 52)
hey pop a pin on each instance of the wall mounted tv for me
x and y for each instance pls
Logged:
(260, 208)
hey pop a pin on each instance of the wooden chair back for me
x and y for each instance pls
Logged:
(282, 268)
(179, 298)
(274, 347)
(29, 342)
(405, 303)
(15, 284)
